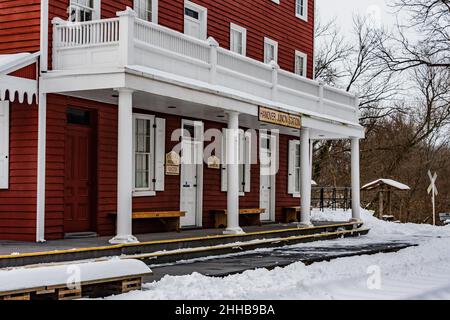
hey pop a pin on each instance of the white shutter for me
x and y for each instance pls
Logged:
(291, 166)
(248, 161)
(223, 169)
(4, 144)
(160, 153)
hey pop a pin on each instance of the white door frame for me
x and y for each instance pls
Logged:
(273, 179)
(199, 214)
(203, 17)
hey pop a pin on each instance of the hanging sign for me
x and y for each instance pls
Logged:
(279, 118)
(214, 163)
(172, 164)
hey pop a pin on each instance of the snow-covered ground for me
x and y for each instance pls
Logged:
(421, 272)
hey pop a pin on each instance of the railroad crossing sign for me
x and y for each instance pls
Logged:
(434, 192)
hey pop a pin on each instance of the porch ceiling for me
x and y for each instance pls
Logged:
(167, 105)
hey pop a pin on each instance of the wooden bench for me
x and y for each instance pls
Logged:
(170, 219)
(291, 214)
(252, 216)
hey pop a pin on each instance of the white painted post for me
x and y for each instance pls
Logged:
(305, 180)
(126, 36)
(213, 44)
(124, 169)
(41, 167)
(44, 36)
(321, 87)
(356, 205)
(232, 162)
(275, 68)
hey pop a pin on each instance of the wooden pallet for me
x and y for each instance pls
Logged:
(94, 289)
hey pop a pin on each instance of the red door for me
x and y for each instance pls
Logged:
(79, 177)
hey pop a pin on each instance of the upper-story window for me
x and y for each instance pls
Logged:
(301, 62)
(84, 10)
(195, 20)
(146, 10)
(301, 9)
(238, 39)
(270, 50)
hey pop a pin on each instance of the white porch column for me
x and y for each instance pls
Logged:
(305, 178)
(124, 169)
(41, 167)
(232, 162)
(356, 205)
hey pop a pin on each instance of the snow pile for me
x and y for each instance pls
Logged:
(416, 272)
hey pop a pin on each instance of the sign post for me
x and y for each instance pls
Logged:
(434, 192)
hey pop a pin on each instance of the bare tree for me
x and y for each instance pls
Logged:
(355, 65)
(331, 53)
(430, 46)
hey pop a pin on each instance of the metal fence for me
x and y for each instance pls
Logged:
(331, 198)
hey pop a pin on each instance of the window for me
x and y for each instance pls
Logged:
(146, 10)
(78, 116)
(84, 10)
(276, 1)
(301, 63)
(238, 39)
(301, 9)
(294, 168)
(148, 154)
(244, 163)
(195, 20)
(270, 50)
(142, 153)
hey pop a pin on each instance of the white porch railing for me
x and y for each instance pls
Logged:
(127, 41)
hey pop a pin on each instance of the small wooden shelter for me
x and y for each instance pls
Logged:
(384, 187)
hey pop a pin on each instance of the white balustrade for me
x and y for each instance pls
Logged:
(126, 40)
(73, 34)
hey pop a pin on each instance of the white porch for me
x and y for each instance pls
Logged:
(139, 60)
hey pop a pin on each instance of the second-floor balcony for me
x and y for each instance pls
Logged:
(135, 44)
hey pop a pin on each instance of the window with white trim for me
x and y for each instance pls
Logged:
(84, 10)
(148, 154)
(294, 168)
(238, 39)
(146, 10)
(301, 9)
(270, 50)
(301, 63)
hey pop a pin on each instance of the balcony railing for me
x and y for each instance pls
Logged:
(129, 41)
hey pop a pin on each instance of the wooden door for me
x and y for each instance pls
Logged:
(80, 179)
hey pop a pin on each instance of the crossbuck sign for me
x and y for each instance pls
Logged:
(434, 192)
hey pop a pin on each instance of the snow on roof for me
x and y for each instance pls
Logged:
(16, 86)
(12, 62)
(388, 182)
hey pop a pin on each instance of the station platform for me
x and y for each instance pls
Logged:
(173, 246)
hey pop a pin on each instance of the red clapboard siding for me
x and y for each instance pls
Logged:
(261, 18)
(19, 26)
(18, 202)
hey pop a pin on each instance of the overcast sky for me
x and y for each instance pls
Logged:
(343, 10)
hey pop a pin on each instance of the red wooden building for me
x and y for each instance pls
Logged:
(92, 94)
